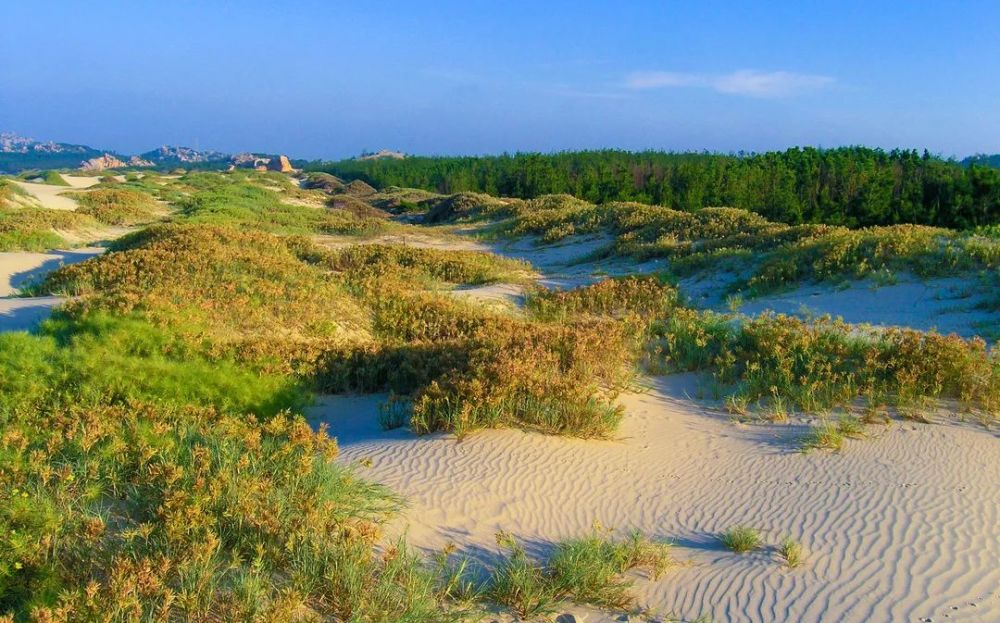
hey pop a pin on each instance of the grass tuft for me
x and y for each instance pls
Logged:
(741, 539)
(791, 552)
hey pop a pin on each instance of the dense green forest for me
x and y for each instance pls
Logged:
(985, 160)
(852, 186)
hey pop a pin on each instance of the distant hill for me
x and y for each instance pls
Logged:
(987, 160)
(19, 153)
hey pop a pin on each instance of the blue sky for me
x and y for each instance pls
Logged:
(329, 79)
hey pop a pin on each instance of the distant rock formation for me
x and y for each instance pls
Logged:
(16, 144)
(100, 163)
(261, 163)
(136, 161)
(383, 153)
(280, 164)
(169, 155)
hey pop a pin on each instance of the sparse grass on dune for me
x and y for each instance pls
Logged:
(36, 229)
(117, 206)
(642, 296)
(53, 178)
(770, 255)
(233, 202)
(791, 552)
(402, 200)
(8, 191)
(226, 292)
(589, 570)
(827, 363)
(831, 435)
(414, 264)
(741, 539)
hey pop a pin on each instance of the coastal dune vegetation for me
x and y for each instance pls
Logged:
(154, 460)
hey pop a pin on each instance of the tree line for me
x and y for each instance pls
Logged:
(853, 186)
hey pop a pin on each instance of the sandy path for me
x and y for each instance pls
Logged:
(49, 196)
(904, 526)
(20, 268)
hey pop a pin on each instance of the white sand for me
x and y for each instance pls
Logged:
(903, 526)
(21, 268)
(49, 196)
(947, 305)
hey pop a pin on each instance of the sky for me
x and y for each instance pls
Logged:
(331, 79)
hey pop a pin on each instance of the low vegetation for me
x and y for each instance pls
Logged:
(826, 363)
(154, 462)
(741, 539)
(590, 570)
(117, 206)
(53, 178)
(37, 229)
(791, 552)
(831, 435)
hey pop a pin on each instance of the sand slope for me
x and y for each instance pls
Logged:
(903, 526)
(20, 268)
(947, 305)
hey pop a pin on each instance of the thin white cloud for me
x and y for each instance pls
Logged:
(744, 82)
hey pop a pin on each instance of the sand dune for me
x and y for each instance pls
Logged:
(903, 526)
(21, 268)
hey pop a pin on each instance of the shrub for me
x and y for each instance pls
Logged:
(117, 206)
(642, 296)
(36, 229)
(827, 363)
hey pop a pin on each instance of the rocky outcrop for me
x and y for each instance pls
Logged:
(100, 163)
(280, 164)
(136, 161)
(261, 163)
(169, 155)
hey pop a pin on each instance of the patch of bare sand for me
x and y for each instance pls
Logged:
(949, 305)
(50, 196)
(415, 239)
(506, 296)
(19, 269)
(903, 526)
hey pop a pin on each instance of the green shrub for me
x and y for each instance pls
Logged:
(117, 206)
(53, 178)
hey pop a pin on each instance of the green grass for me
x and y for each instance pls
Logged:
(233, 202)
(53, 178)
(741, 539)
(831, 435)
(823, 364)
(589, 570)
(34, 229)
(117, 206)
(791, 552)
(773, 255)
